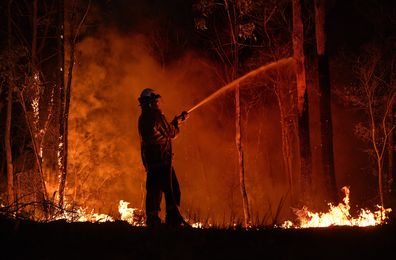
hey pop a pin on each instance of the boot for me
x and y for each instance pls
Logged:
(174, 219)
(152, 220)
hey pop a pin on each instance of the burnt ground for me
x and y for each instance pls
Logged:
(118, 240)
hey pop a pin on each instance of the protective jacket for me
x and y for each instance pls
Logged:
(155, 136)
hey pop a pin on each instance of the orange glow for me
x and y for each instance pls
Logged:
(82, 215)
(336, 216)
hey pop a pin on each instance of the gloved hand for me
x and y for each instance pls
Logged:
(180, 118)
(183, 116)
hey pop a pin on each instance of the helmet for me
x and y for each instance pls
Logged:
(148, 96)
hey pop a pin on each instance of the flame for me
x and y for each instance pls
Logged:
(338, 216)
(136, 217)
(197, 225)
(133, 216)
(83, 215)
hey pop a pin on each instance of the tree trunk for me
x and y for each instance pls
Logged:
(391, 174)
(241, 162)
(35, 149)
(380, 178)
(65, 117)
(231, 15)
(392, 160)
(34, 126)
(7, 141)
(62, 152)
(285, 130)
(326, 125)
(7, 136)
(302, 103)
(34, 37)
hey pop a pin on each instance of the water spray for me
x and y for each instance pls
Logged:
(236, 82)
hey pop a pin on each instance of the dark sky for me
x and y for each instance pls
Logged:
(349, 17)
(351, 24)
(354, 23)
(138, 14)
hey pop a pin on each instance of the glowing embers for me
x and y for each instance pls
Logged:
(133, 216)
(82, 215)
(136, 217)
(338, 216)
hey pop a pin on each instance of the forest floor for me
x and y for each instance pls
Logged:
(21, 239)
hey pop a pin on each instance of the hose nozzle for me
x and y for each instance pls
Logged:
(183, 116)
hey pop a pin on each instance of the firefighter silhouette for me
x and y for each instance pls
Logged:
(156, 135)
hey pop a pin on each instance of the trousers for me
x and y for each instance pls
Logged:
(161, 180)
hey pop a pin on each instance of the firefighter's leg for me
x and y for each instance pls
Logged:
(153, 199)
(175, 188)
(172, 198)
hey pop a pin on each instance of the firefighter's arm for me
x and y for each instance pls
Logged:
(169, 130)
(178, 120)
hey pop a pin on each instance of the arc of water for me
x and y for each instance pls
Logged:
(235, 82)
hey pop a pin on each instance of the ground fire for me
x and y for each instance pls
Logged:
(287, 101)
(339, 215)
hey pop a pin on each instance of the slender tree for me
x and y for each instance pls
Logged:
(65, 89)
(392, 143)
(233, 31)
(379, 100)
(227, 47)
(10, 167)
(375, 96)
(62, 149)
(7, 141)
(31, 29)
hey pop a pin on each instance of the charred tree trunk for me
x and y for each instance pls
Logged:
(326, 124)
(7, 141)
(302, 102)
(62, 152)
(67, 90)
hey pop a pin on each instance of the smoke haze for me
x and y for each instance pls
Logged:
(105, 164)
(113, 66)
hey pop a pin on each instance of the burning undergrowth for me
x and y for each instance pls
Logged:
(339, 215)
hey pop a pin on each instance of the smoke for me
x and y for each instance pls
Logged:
(104, 156)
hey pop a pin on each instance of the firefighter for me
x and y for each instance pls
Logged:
(156, 135)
